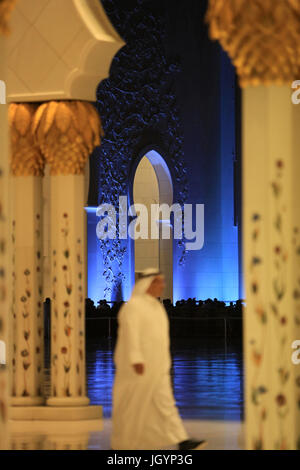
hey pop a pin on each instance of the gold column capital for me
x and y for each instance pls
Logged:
(26, 158)
(6, 8)
(260, 36)
(67, 132)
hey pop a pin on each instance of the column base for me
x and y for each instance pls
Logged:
(27, 401)
(52, 435)
(55, 413)
(68, 401)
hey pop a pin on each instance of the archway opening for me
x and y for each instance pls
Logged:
(153, 185)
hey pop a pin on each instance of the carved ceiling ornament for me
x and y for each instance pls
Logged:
(261, 37)
(67, 133)
(6, 8)
(26, 158)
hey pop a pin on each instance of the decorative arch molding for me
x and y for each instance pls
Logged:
(162, 171)
(51, 59)
(153, 168)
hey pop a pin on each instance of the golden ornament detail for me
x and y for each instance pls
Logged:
(67, 133)
(260, 36)
(26, 158)
(6, 8)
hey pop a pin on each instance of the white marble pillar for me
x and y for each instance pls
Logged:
(27, 167)
(259, 37)
(271, 214)
(68, 221)
(27, 382)
(67, 132)
(4, 259)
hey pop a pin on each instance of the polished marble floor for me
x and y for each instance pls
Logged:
(86, 435)
(207, 378)
(220, 435)
(208, 387)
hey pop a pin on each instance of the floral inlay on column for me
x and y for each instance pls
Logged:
(27, 169)
(279, 290)
(54, 314)
(296, 291)
(13, 310)
(39, 347)
(80, 367)
(26, 353)
(258, 345)
(3, 305)
(66, 350)
(296, 299)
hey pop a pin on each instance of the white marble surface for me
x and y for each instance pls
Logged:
(51, 58)
(92, 435)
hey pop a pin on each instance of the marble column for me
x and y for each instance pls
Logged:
(27, 172)
(6, 8)
(260, 38)
(271, 213)
(4, 260)
(68, 291)
(67, 132)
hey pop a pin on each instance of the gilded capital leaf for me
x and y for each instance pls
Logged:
(67, 132)
(261, 37)
(26, 158)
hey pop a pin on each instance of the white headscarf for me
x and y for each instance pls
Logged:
(145, 280)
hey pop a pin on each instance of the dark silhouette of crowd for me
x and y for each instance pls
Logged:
(104, 309)
(183, 308)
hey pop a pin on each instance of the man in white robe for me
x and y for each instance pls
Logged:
(144, 414)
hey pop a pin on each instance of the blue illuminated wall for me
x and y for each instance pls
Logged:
(207, 93)
(95, 260)
(172, 90)
(110, 272)
(230, 204)
(213, 271)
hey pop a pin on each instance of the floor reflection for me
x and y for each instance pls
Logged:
(208, 378)
(226, 435)
(57, 435)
